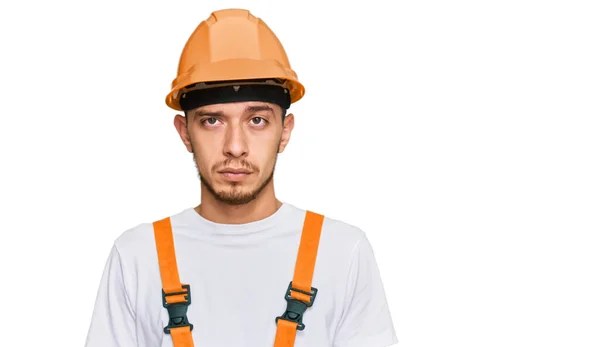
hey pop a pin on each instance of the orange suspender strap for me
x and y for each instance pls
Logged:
(300, 294)
(175, 295)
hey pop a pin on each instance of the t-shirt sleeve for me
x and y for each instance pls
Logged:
(113, 317)
(366, 320)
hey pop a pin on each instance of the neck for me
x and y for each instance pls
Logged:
(217, 211)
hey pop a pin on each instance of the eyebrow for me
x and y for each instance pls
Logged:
(200, 113)
(248, 109)
(259, 108)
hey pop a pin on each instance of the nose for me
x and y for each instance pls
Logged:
(236, 142)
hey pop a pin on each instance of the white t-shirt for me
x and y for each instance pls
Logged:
(239, 275)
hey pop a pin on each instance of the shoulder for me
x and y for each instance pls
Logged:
(343, 233)
(339, 237)
(137, 240)
(333, 227)
(133, 245)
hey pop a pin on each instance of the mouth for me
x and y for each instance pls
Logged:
(234, 171)
(235, 174)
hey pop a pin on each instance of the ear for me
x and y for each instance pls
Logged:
(180, 123)
(288, 126)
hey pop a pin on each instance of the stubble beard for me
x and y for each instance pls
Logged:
(234, 195)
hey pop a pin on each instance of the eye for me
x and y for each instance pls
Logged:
(257, 120)
(210, 121)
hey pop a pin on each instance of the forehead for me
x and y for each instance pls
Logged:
(238, 108)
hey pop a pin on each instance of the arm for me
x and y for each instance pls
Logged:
(366, 319)
(113, 318)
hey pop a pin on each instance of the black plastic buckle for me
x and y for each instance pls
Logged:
(178, 311)
(296, 308)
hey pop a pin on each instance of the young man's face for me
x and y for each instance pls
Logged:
(235, 147)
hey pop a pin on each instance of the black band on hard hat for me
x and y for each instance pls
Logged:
(253, 92)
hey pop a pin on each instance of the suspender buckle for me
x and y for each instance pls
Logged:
(296, 308)
(178, 311)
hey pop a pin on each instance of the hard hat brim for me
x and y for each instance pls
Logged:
(235, 70)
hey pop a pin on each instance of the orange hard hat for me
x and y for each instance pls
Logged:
(233, 46)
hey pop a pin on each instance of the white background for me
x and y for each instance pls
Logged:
(462, 136)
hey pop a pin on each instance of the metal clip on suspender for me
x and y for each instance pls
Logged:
(296, 308)
(178, 311)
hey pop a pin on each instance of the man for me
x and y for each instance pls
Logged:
(242, 268)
